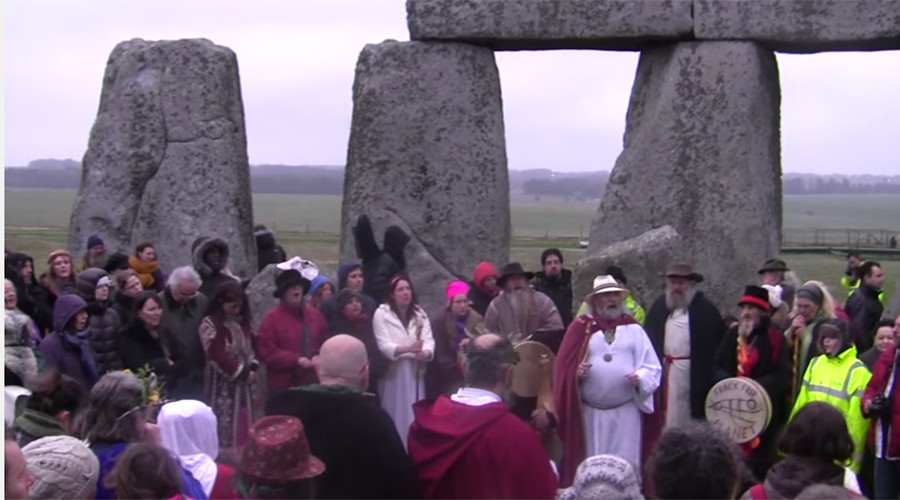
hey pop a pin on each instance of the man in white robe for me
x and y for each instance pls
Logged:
(604, 380)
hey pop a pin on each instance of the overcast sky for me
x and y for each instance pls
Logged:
(563, 110)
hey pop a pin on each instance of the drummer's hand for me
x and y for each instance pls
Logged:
(634, 379)
(541, 420)
(583, 369)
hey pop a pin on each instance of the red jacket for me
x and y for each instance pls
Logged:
(881, 377)
(462, 451)
(282, 342)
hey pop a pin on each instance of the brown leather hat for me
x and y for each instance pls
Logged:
(683, 270)
(774, 265)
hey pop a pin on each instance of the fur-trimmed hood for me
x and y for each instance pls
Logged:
(200, 246)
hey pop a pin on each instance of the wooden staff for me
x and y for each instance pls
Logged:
(418, 338)
(585, 344)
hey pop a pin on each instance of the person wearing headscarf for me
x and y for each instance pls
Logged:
(351, 319)
(68, 348)
(187, 428)
(454, 324)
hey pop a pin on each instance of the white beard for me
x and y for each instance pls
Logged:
(745, 327)
(678, 302)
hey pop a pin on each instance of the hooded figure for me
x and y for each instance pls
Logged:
(838, 378)
(68, 348)
(379, 264)
(33, 299)
(480, 294)
(104, 323)
(210, 261)
(267, 250)
(187, 428)
(327, 308)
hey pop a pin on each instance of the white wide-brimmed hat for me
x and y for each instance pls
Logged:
(605, 284)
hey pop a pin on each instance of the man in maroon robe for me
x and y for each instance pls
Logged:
(469, 445)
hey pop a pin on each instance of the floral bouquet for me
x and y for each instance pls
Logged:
(153, 388)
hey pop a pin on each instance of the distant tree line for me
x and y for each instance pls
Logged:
(279, 179)
(838, 186)
(589, 187)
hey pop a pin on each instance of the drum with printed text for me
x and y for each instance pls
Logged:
(740, 407)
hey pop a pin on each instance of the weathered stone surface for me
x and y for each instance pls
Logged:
(167, 157)
(643, 258)
(802, 26)
(894, 310)
(427, 153)
(551, 24)
(702, 154)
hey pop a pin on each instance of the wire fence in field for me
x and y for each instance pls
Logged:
(844, 238)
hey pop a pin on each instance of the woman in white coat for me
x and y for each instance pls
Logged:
(403, 333)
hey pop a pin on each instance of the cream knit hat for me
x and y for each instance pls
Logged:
(604, 477)
(62, 467)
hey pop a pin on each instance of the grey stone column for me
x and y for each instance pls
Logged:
(167, 156)
(427, 153)
(701, 154)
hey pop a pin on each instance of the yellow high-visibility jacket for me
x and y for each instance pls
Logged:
(839, 381)
(852, 284)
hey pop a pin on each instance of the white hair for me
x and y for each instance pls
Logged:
(184, 274)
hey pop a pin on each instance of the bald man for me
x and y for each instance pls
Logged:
(347, 429)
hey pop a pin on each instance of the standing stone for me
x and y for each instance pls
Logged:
(167, 157)
(642, 258)
(702, 154)
(427, 153)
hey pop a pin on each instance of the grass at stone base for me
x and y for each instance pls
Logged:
(323, 249)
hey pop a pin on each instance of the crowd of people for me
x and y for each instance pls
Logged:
(124, 382)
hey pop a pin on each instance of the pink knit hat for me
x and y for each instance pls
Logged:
(457, 288)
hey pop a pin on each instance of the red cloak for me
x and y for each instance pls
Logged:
(565, 390)
(462, 451)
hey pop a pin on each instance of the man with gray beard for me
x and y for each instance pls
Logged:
(520, 312)
(755, 348)
(686, 329)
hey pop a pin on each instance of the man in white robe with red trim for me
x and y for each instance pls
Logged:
(605, 376)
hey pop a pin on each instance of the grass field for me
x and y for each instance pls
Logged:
(36, 222)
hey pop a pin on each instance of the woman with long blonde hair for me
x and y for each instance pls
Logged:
(813, 306)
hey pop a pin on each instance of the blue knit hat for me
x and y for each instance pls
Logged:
(94, 241)
(317, 283)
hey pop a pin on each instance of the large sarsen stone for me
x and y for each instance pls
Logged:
(427, 153)
(551, 24)
(167, 156)
(702, 154)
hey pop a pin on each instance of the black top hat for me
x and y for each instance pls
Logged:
(510, 270)
(287, 279)
(755, 296)
(773, 265)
